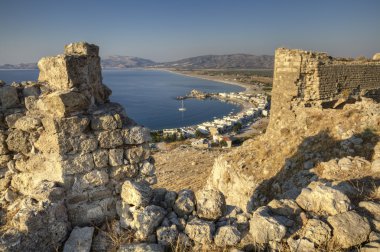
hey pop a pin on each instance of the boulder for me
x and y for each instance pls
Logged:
(170, 198)
(135, 193)
(146, 220)
(317, 232)
(104, 122)
(80, 240)
(300, 245)
(321, 198)
(285, 207)
(374, 243)
(372, 208)
(264, 228)
(141, 247)
(211, 204)
(167, 236)
(227, 236)
(200, 230)
(185, 203)
(349, 229)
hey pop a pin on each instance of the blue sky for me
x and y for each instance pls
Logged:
(165, 30)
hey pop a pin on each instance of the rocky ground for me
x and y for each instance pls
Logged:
(184, 167)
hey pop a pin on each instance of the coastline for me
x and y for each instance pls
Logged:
(247, 87)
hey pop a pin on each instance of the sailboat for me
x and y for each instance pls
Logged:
(182, 108)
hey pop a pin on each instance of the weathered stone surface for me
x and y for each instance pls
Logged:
(185, 203)
(95, 178)
(9, 97)
(375, 167)
(136, 135)
(264, 228)
(211, 204)
(349, 229)
(63, 103)
(321, 198)
(376, 56)
(104, 122)
(300, 245)
(146, 220)
(81, 48)
(124, 171)
(78, 163)
(285, 207)
(167, 235)
(100, 158)
(147, 169)
(372, 208)
(18, 141)
(135, 193)
(27, 123)
(317, 232)
(170, 198)
(12, 118)
(110, 139)
(200, 231)
(227, 236)
(116, 156)
(80, 240)
(141, 247)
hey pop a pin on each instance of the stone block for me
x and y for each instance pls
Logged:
(63, 103)
(110, 139)
(116, 157)
(82, 48)
(100, 158)
(79, 240)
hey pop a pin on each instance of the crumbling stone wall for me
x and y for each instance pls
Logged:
(313, 79)
(65, 151)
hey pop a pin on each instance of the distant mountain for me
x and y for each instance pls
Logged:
(234, 61)
(125, 62)
(19, 66)
(230, 61)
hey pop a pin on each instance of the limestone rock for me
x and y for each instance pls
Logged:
(63, 103)
(27, 123)
(136, 135)
(80, 240)
(375, 167)
(135, 193)
(141, 247)
(104, 122)
(349, 229)
(170, 198)
(12, 118)
(318, 198)
(227, 236)
(81, 48)
(211, 204)
(285, 207)
(200, 231)
(167, 235)
(376, 56)
(264, 228)
(184, 204)
(317, 232)
(300, 245)
(146, 220)
(372, 208)
(374, 243)
(110, 139)
(116, 156)
(9, 97)
(100, 158)
(17, 141)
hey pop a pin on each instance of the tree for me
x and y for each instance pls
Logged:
(237, 127)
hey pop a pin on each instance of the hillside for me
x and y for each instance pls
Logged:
(125, 62)
(231, 61)
(234, 61)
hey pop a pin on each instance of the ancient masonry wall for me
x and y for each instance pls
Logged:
(65, 151)
(303, 78)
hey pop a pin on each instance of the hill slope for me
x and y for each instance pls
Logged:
(125, 62)
(235, 61)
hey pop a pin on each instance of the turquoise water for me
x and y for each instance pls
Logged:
(149, 96)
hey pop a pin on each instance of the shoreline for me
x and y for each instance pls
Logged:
(247, 87)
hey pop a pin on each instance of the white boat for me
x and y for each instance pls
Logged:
(182, 108)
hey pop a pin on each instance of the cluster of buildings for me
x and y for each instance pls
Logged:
(255, 106)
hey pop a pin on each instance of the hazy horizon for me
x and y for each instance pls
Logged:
(172, 30)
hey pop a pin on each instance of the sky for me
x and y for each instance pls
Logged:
(166, 30)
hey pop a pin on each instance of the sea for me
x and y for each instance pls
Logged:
(149, 96)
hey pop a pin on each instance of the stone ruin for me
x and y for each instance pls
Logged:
(72, 161)
(65, 151)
